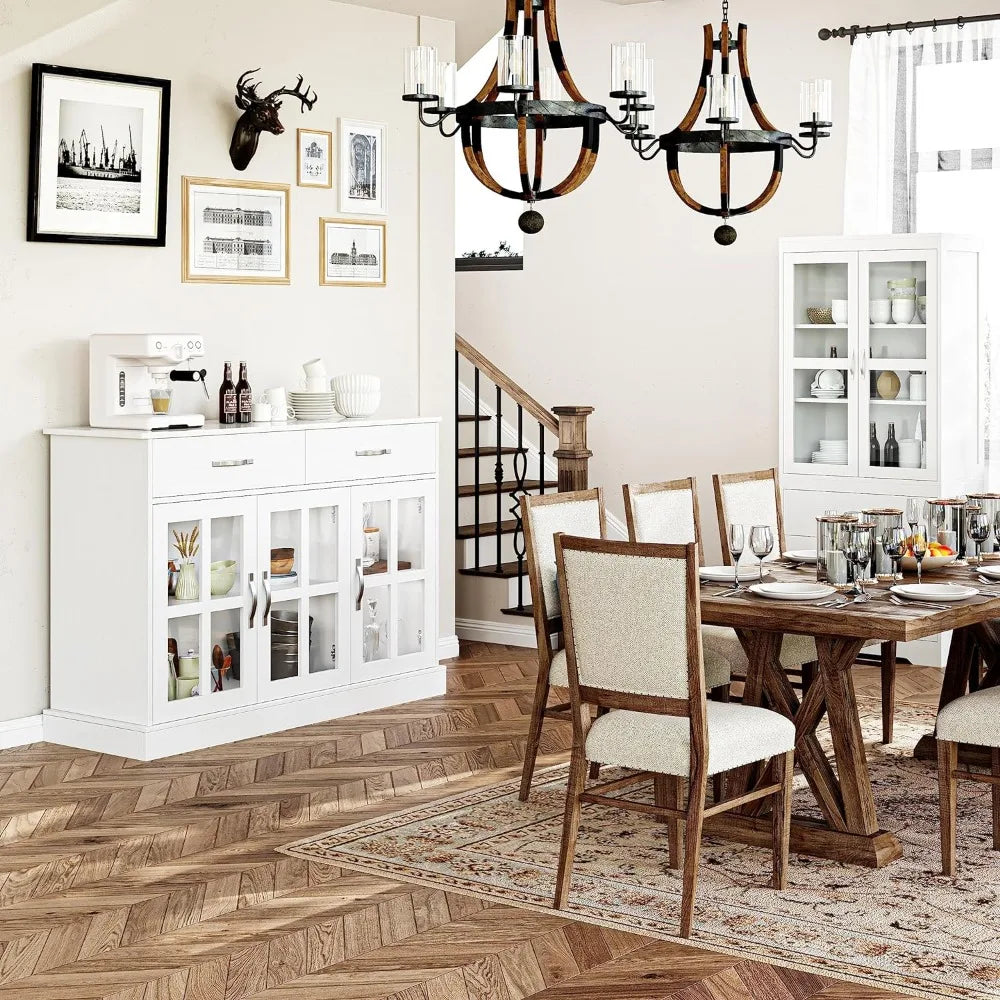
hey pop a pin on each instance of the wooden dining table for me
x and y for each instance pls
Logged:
(848, 827)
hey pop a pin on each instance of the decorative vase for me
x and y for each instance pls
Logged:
(187, 588)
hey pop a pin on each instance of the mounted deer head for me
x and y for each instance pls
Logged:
(260, 114)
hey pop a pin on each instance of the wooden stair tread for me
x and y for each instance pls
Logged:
(486, 489)
(486, 530)
(507, 571)
(471, 418)
(525, 612)
(487, 451)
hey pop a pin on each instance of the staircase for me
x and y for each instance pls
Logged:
(507, 446)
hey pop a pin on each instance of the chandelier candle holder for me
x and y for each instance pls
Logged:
(523, 96)
(723, 92)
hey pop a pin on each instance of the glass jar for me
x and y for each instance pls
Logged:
(946, 523)
(990, 503)
(832, 537)
(883, 518)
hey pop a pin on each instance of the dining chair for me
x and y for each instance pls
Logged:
(751, 498)
(632, 617)
(579, 513)
(971, 719)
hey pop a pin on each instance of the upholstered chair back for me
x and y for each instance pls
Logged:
(580, 513)
(750, 498)
(663, 512)
(633, 619)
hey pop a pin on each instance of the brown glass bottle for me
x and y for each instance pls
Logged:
(229, 411)
(244, 396)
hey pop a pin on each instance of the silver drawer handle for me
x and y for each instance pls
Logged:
(373, 453)
(232, 463)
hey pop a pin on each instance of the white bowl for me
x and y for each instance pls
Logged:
(931, 563)
(357, 395)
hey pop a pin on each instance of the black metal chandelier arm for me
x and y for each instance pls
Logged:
(439, 122)
(804, 151)
(650, 150)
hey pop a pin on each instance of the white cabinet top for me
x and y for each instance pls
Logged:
(885, 241)
(215, 429)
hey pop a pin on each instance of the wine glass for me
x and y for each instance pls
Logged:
(762, 545)
(737, 542)
(894, 546)
(914, 512)
(919, 542)
(859, 553)
(979, 528)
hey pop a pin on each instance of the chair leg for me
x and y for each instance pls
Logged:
(947, 754)
(667, 792)
(888, 690)
(996, 799)
(534, 734)
(720, 694)
(571, 824)
(781, 818)
(692, 846)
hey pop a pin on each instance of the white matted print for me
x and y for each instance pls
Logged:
(352, 252)
(362, 167)
(315, 158)
(235, 231)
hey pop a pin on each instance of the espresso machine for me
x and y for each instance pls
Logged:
(133, 377)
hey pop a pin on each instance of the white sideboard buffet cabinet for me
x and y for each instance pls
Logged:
(311, 592)
(937, 357)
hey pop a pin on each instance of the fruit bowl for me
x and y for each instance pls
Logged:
(931, 563)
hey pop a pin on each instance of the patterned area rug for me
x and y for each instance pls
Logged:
(905, 927)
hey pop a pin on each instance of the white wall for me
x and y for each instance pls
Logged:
(52, 297)
(626, 303)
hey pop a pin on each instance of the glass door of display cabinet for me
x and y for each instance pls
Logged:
(206, 591)
(392, 532)
(898, 343)
(305, 568)
(819, 415)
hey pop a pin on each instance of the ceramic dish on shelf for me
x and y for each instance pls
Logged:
(805, 556)
(793, 591)
(820, 315)
(726, 574)
(829, 378)
(935, 592)
(931, 563)
(357, 396)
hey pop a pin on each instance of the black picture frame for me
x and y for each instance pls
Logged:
(38, 72)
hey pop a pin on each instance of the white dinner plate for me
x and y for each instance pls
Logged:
(725, 574)
(993, 572)
(793, 591)
(806, 556)
(935, 592)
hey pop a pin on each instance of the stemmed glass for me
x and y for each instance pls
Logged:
(859, 554)
(979, 528)
(762, 544)
(919, 542)
(737, 542)
(914, 512)
(894, 546)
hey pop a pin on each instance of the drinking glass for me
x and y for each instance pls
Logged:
(914, 512)
(919, 542)
(979, 528)
(996, 527)
(737, 542)
(894, 546)
(859, 552)
(762, 544)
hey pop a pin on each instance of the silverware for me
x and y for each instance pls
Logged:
(921, 604)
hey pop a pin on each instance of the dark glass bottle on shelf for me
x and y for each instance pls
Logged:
(874, 450)
(872, 376)
(891, 454)
(833, 352)
(229, 409)
(244, 396)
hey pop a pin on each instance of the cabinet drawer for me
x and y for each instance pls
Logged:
(341, 455)
(221, 464)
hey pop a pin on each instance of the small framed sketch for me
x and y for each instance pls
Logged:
(362, 168)
(315, 158)
(234, 231)
(352, 252)
(97, 168)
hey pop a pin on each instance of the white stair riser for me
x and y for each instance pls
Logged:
(487, 550)
(487, 508)
(488, 466)
(512, 591)
(467, 435)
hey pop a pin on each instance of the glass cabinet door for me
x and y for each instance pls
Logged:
(205, 591)
(898, 384)
(393, 613)
(820, 363)
(304, 550)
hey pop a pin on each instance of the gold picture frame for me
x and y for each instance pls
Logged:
(240, 244)
(300, 134)
(353, 268)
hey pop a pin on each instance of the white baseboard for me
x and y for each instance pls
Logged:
(507, 634)
(448, 647)
(19, 732)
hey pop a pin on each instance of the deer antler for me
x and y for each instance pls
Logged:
(307, 101)
(246, 90)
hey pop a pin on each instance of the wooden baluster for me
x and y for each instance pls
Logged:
(573, 454)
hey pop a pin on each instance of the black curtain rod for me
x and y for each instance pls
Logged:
(869, 29)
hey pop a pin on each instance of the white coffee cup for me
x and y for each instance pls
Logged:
(315, 368)
(318, 383)
(280, 410)
(903, 310)
(839, 309)
(262, 413)
(880, 310)
(918, 387)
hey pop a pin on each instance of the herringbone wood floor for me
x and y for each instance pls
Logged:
(159, 881)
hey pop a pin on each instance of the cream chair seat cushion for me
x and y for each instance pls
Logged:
(717, 669)
(796, 650)
(737, 735)
(973, 718)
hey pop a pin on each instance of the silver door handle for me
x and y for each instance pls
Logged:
(253, 598)
(267, 599)
(361, 584)
(864, 363)
(852, 364)
(231, 463)
(373, 453)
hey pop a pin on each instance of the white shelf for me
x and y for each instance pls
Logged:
(820, 326)
(897, 326)
(840, 364)
(185, 609)
(812, 399)
(897, 402)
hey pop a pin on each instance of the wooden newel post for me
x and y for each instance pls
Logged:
(573, 454)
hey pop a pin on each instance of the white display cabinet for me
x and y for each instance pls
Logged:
(824, 440)
(323, 601)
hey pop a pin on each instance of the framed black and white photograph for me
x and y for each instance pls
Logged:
(98, 157)
(315, 158)
(352, 252)
(362, 168)
(235, 232)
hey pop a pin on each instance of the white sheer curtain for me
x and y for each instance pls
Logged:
(923, 153)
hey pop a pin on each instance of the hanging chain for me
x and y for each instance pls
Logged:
(725, 11)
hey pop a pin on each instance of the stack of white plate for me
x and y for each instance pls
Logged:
(827, 393)
(312, 405)
(831, 453)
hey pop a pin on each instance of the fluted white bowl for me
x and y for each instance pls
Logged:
(357, 395)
